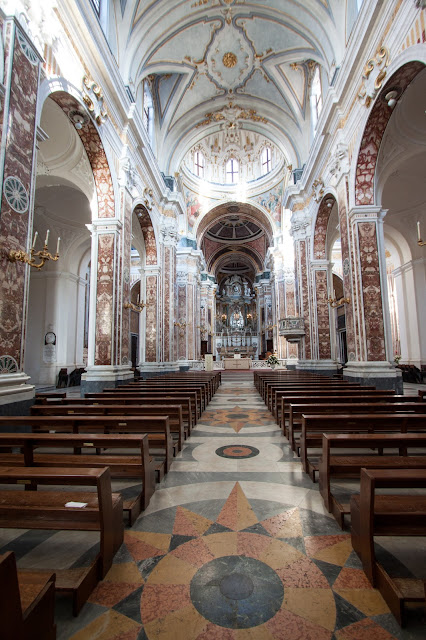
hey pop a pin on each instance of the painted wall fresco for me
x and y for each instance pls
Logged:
(104, 297)
(373, 134)
(272, 201)
(148, 235)
(194, 208)
(16, 200)
(151, 319)
(323, 315)
(371, 291)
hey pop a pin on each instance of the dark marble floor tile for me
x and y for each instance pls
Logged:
(416, 625)
(315, 524)
(353, 562)
(27, 542)
(70, 624)
(216, 528)
(297, 543)
(131, 605)
(265, 509)
(87, 557)
(346, 613)
(187, 450)
(257, 528)
(331, 571)
(130, 492)
(391, 564)
(148, 565)
(177, 540)
(158, 522)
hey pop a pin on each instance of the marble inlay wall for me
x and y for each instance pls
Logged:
(104, 300)
(371, 291)
(320, 234)
(124, 274)
(168, 318)
(16, 209)
(322, 314)
(373, 134)
(305, 296)
(151, 318)
(182, 317)
(347, 271)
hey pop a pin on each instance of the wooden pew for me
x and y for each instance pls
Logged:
(123, 465)
(165, 387)
(48, 510)
(173, 412)
(313, 426)
(185, 403)
(136, 395)
(157, 428)
(346, 395)
(275, 392)
(27, 602)
(389, 515)
(297, 410)
(349, 464)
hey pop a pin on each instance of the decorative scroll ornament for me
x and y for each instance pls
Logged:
(339, 162)
(94, 99)
(318, 189)
(148, 198)
(373, 76)
(230, 114)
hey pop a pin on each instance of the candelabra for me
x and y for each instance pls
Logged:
(32, 258)
(270, 327)
(334, 302)
(138, 306)
(181, 325)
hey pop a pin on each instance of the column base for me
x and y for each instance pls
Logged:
(323, 367)
(16, 396)
(382, 375)
(152, 369)
(98, 378)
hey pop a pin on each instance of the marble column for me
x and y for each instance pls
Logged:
(17, 154)
(188, 269)
(167, 309)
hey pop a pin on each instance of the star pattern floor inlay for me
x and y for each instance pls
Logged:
(235, 545)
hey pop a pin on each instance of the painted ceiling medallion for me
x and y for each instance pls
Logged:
(229, 59)
(16, 194)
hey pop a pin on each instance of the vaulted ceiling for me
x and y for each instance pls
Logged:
(210, 58)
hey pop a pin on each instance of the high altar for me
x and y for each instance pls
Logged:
(236, 321)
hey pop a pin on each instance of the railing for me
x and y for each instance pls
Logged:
(292, 328)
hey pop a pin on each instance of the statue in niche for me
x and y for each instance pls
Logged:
(237, 320)
(234, 286)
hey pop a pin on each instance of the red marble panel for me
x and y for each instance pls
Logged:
(305, 297)
(290, 299)
(23, 84)
(190, 319)
(281, 300)
(96, 155)
(104, 300)
(323, 316)
(347, 275)
(151, 319)
(126, 242)
(182, 314)
(148, 235)
(166, 305)
(371, 291)
(373, 134)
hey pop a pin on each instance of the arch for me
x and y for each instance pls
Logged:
(222, 256)
(246, 209)
(374, 131)
(321, 224)
(147, 228)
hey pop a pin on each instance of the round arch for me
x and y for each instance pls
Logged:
(248, 210)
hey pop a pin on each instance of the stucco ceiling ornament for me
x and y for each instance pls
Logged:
(148, 198)
(339, 162)
(373, 76)
(318, 189)
(230, 58)
(230, 114)
(94, 99)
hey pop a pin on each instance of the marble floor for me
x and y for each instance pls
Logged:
(235, 544)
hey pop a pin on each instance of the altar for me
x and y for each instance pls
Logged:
(237, 363)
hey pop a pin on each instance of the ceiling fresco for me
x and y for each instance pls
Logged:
(204, 55)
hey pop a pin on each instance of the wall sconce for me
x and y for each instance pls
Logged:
(249, 317)
(78, 118)
(31, 258)
(334, 302)
(138, 307)
(392, 96)
(181, 325)
(224, 317)
(420, 242)
(270, 327)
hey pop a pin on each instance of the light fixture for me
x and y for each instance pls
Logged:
(334, 302)
(138, 306)
(31, 258)
(420, 242)
(78, 118)
(392, 96)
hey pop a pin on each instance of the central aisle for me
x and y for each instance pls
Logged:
(235, 545)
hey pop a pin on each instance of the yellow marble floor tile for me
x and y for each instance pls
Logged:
(279, 554)
(337, 554)
(124, 572)
(222, 544)
(172, 570)
(158, 540)
(106, 626)
(315, 605)
(369, 601)
(184, 624)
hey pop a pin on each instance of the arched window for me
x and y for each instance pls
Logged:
(199, 164)
(231, 171)
(97, 6)
(266, 161)
(316, 97)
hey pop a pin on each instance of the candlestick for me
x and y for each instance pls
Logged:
(35, 238)
(138, 299)
(47, 238)
(419, 237)
(57, 246)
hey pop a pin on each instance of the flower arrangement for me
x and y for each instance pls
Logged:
(273, 360)
(397, 358)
